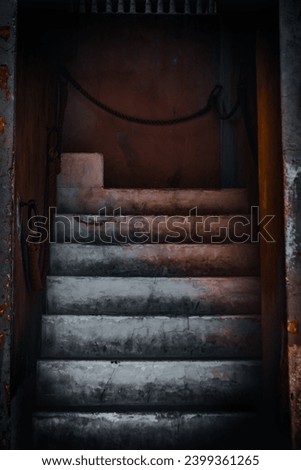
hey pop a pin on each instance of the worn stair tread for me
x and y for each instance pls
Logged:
(96, 337)
(154, 260)
(95, 431)
(147, 229)
(159, 296)
(71, 383)
(172, 430)
(152, 201)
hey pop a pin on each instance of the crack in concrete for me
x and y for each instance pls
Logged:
(108, 382)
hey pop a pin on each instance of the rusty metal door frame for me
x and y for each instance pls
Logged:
(8, 11)
(290, 82)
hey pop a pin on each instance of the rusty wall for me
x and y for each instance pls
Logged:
(272, 253)
(7, 88)
(154, 67)
(35, 112)
(290, 61)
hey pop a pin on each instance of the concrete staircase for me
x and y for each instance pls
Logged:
(149, 345)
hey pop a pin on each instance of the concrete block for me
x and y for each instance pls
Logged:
(158, 296)
(81, 170)
(154, 260)
(83, 200)
(78, 383)
(146, 430)
(103, 336)
(146, 229)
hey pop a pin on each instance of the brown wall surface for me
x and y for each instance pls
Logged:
(153, 67)
(272, 254)
(35, 112)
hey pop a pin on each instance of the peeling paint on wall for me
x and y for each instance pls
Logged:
(294, 353)
(2, 125)
(292, 176)
(4, 76)
(7, 64)
(290, 61)
(3, 309)
(4, 32)
(292, 326)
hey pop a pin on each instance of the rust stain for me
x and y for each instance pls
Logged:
(292, 326)
(2, 125)
(7, 284)
(4, 32)
(3, 309)
(294, 358)
(4, 76)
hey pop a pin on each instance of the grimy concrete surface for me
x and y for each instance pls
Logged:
(148, 383)
(158, 296)
(114, 230)
(144, 327)
(145, 430)
(154, 260)
(103, 336)
(152, 201)
(81, 170)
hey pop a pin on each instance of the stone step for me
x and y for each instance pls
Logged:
(153, 296)
(94, 384)
(83, 200)
(151, 229)
(81, 170)
(97, 337)
(161, 430)
(154, 260)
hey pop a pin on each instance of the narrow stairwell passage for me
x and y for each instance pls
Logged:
(148, 344)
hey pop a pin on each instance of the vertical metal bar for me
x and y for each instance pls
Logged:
(172, 7)
(187, 7)
(148, 6)
(211, 7)
(108, 6)
(133, 6)
(199, 9)
(160, 7)
(120, 8)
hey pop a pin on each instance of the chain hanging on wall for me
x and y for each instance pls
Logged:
(212, 102)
